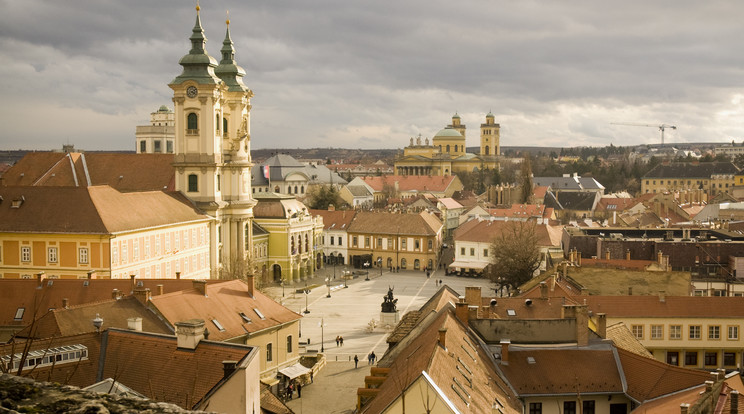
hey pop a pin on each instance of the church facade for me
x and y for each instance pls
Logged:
(446, 154)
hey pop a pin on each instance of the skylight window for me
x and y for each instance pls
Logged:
(19, 314)
(218, 325)
(511, 312)
(258, 312)
(245, 317)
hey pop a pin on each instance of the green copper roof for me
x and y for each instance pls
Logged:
(228, 70)
(455, 116)
(197, 64)
(489, 115)
(448, 132)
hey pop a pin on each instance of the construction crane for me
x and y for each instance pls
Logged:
(661, 127)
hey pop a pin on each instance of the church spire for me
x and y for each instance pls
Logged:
(228, 70)
(197, 64)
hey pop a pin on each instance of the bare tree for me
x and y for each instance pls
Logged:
(240, 269)
(525, 180)
(515, 254)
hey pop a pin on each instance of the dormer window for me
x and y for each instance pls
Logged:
(245, 317)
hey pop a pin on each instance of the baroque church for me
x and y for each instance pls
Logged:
(446, 154)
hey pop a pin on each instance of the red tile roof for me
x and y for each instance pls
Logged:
(224, 302)
(419, 183)
(484, 231)
(335, 220)
(395, 223)
(90, 210)
(124, 172)
(672, 306)
(521, 211)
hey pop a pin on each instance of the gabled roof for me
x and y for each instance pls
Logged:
(78, 319)
(702, 170)
(450, 203)
(91, 210)
(521, 211)
(36, 298)
(459, 362)
(124, 172)
(623, 338)
(422, 223)
(224, 302)
(420, 183)
(337, 220)
(671, 306)
(484, 231)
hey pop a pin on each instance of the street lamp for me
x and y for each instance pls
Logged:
(322, 334)
(282, 283)
(366, 267)
(328, 284)
(306, 291)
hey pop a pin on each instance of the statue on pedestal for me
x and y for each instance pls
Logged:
(388, 303)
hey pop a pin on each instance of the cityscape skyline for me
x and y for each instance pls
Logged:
(335, 74)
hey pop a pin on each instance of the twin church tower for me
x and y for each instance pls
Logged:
(212, 158)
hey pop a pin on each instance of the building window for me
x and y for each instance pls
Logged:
(193, 183)
(714, 332)
(169, 147)
(535, 408)
(462, 251)
(354, 241)
(733, 332)
(218, 183)
(711, 358)
(588, 407)
(569, 407)
(403, 263)
(379, 243)
(637, 331)
(485, 252)
(695, 331)
(675, 332)
(339, 240)
(403, 244)
(52, 255)
(729, 359)
(192, 123)
(431, 244)
(657, 331)
(289, 344)
(143, 146)
(157, 146)
(472, 251)
(332, 241)
(83, 255)
(672, 358)
(269, 353)
(366, 241)
(114, 255)
(691, 358)
(25, 253)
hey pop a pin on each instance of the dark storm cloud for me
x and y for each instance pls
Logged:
(373, 74)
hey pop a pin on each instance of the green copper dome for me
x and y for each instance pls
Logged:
(455, 116)
(228, 70)
(448, 133)
(197, 64)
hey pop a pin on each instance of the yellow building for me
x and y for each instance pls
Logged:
(447, 152)
(294, 246)
(690, 331)
(711, 177)
(408, 241)
(68, 232)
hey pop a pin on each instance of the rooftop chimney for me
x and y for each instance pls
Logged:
(228, 367)
(331, 207)
(734, 395)
(582, 326)
(473, 295)
(200, 286)
(134, 283)
(178, 275)
(543, 290)
(65, 303)
(607, 254)
(115, 294)
(472, 313)
(39, 278)
(135, 324)
(189, 333)
(684, 408)
(249, 280)
(602, 325)
(708, 386)
(627, 254)
(143, 295)
(505, 351)
(461, 310)
(443, 337)
(160, 290)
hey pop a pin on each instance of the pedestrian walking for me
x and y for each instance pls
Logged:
(311, 376)
(299, 390)
(337, 340)
(373, 356)
(341, 340)
(356, 361)
(440, 282)
(369, 359)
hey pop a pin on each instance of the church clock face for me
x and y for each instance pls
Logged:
(191, 91)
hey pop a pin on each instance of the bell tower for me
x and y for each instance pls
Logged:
(212, 147)
(490, 137)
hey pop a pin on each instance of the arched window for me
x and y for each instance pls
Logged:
(295, 189)
(193, 183)
(276, 189)
(307, 245)
(224, 126)
(293, 245)
(302, 189)
(217, 122)
(403, 263)
(455, 148)
(416, 264)
(487, 150)
(192, 122)
(448, 148)
(289, 189)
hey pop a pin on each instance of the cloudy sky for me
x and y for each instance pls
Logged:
(372, 74)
